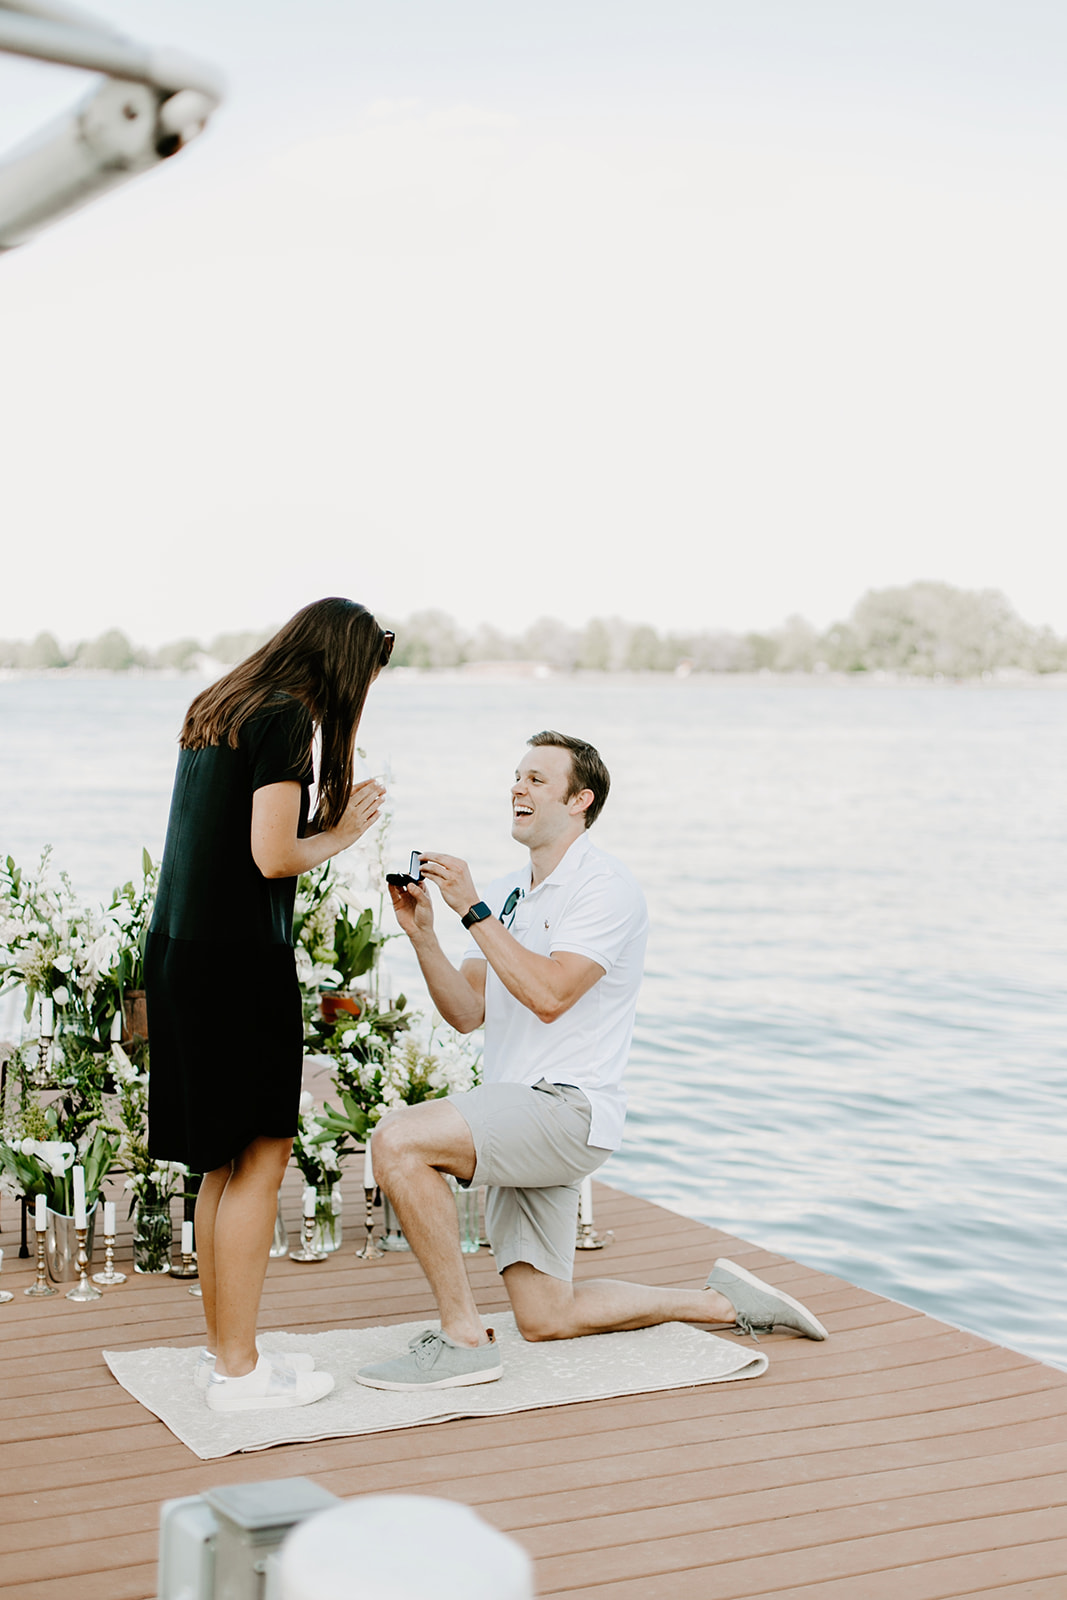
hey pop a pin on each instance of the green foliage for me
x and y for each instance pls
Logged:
(347, 1127)
(922, 628)
(356, 945)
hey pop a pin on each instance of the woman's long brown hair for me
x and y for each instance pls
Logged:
(326, 657)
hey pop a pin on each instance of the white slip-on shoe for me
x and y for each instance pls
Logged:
(267, 1387)
(205, 1363)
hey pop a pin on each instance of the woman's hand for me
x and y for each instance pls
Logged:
(277, 848)
(362, 811)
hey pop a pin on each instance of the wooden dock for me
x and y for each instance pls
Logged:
(902, 1460)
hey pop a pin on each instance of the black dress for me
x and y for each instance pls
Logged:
(224, 1009)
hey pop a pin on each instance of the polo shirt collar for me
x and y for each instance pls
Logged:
(569, 865)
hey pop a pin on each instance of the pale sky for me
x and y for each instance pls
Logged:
(695, 313)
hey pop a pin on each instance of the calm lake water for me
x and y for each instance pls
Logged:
(850, 1040)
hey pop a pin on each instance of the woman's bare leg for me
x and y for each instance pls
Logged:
(210, 1192)
(240, 1248)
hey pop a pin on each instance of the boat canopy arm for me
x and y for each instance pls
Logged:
(151, 103)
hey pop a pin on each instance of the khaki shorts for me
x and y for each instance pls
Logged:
(532, 1155)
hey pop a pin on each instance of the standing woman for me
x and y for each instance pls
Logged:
(224, 1004)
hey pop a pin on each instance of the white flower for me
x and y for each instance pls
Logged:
(55, 1154)
(307, 1100)
(123, 1068)
(62, 962)
(61, 996)
(100, 956)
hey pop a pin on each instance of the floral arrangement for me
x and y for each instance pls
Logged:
(370, 1083)
(77, 1096)
(150, 1183)
(336, 939)
(74, 964)
(318, 1158)
(53, 1120)
(43, 1166)
(78, 960)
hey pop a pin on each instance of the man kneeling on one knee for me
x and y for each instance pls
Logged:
(553, 973)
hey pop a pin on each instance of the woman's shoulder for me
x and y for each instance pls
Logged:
(282, 710)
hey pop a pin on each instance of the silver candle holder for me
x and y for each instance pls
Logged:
(83, 1290)
(187, 1267)
(109, 1275)
(40, 1288)
(371, 1251)
(308, 1253)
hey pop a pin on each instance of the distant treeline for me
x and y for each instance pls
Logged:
(922, 629)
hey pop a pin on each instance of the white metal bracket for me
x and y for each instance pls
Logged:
(149, 106)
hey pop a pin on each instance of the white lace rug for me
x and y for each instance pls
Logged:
(552, 1374)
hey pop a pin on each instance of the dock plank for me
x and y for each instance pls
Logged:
(903, 1460)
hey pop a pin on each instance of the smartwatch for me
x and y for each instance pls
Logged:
(477, 913)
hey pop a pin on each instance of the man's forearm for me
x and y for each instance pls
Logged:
(457, 1000)
(545, 985)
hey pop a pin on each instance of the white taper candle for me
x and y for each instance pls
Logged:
(368, 1166)
(309, 1202)
(79, 1197)
(40, 1214)
(585, 1201)
(116, 1028)
(187, 1238)
(48, 1017)
(109, 1219)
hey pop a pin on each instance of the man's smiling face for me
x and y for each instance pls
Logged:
(541, 813)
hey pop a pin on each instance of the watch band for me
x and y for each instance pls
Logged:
(477, 913)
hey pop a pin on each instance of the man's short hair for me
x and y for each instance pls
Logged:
(587, 769)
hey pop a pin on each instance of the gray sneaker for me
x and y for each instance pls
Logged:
(434, 1361)
(758, 1305)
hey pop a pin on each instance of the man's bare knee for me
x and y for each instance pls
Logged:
(537, 1325)
(433, 1134)
(390, 1143)
(543, 1305)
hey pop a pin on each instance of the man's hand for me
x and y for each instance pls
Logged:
(414, 910)
(453, 877)
(458, 995)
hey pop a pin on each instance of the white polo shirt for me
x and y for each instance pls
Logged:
(590, 905)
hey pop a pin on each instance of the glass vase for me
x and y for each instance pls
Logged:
(392, 1233)
(468, 1214)
(153, 1236)
(61, 1245)
(280, 1243)
(327, 1235)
